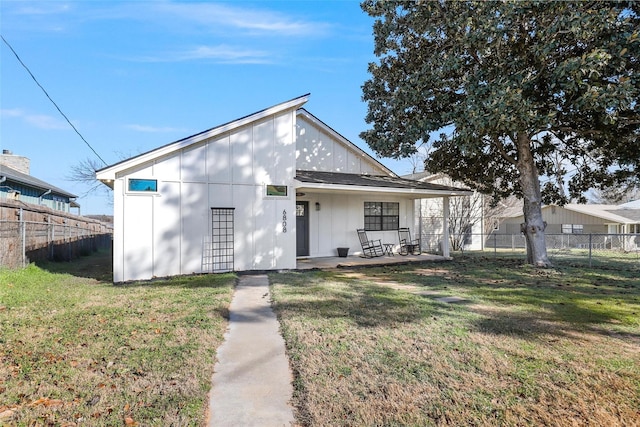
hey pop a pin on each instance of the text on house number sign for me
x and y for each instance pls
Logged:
(284, 221)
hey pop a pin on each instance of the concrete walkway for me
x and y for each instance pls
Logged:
(252, 379)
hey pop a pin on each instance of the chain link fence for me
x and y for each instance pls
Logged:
(611, 250)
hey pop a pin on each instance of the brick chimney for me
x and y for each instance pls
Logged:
(19, 163)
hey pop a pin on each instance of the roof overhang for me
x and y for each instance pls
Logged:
(109, 174)
(351, 189)
(344, 183)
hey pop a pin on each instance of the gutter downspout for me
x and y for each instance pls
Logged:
(42, 195)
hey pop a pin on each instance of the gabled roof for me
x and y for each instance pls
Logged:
(611, 213)
(30, 181)
(614, 214)
(329, 130)
(109, 173)
(346, 181)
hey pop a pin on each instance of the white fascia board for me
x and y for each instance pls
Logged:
(109, 173)
(411, 192)
(341, 138)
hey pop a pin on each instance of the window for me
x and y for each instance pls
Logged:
(572, 228)
(277, 190)
(150, 185)
(381, 216)
(468, 237)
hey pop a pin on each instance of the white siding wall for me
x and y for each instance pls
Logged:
(316, 150)
(163, 234)
(340, 215)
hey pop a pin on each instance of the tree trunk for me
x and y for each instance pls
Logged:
(533, 226)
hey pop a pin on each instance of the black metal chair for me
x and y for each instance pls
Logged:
(408, 245)
(370, 248)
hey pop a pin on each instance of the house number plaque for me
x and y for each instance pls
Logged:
(284, 221)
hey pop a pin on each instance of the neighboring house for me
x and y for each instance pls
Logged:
(466, 215)
(254, 194)
(16, 183)
(584, 219)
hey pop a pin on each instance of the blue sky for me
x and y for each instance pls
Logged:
(135, 75)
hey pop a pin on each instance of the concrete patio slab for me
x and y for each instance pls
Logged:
(357, 261)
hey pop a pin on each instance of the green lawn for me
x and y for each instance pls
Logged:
(75, 349)
(374, 346)
(368, 346)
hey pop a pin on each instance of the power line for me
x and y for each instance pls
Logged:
(52, 101)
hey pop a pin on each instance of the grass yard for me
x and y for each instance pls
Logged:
(523, 347)
(77, 350)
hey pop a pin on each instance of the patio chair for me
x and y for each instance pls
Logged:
(408, 245)
(370, 248)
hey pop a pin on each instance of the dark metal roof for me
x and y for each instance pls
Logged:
(338, 178)
(28, 180)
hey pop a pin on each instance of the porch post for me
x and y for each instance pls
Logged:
(445, 226)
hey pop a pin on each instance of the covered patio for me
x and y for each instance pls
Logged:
(323, 263)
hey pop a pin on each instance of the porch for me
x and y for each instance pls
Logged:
(323, 263)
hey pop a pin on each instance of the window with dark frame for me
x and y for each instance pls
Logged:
(572, 228)
(381, 216)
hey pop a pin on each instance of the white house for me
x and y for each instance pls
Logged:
(466, 215)
(254, 194)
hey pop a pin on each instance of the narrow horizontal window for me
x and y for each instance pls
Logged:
(143, 185)
(572, 228)
(277, 190)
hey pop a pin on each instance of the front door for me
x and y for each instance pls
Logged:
(302, 228)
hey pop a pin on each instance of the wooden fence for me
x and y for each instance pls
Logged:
(30, 233)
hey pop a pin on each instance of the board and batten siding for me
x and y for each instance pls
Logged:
(340, 215)
(163, 233)
(317, 150)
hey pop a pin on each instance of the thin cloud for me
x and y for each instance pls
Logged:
(38, 9)
(255, 21)
(41, 121)
(153, 129)
(212, 18)
(222, 54)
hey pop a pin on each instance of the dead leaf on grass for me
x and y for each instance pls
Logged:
(6, 414)
(128, 421)
(45, 401)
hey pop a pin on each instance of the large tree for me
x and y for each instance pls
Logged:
(522, 92)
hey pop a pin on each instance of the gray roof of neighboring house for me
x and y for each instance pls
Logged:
(28, 180)
(610, 213)
(629, 213)
(635, 204)
(338, 178)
